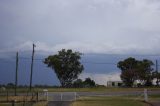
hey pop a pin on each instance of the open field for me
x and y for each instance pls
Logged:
(102, 101)
(26, 104)
(97, 101)
(116, 101)
(90, 96)
(109, 101)
(96, 89)
(154, 98)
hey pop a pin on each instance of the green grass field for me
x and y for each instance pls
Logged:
(96, 89)
(109, 101)
(96, 101)
(100, 89)
(116, 101)
(26, 104)
(102, 101)
(103, 89)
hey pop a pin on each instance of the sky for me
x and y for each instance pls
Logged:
(88, 26)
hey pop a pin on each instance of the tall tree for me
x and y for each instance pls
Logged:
(144, 72)
(128, 70)
(132, 69)
(66, 65)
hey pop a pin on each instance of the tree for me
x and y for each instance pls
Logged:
(89, 83)
(144, 72)
(78, 83)
(132, 69)
(10, 85)
(156, 75)
(66, 65)
(128, 70)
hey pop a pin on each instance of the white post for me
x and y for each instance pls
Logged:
(61, 96)
(75, 94)
(47, 95)
(145, 95)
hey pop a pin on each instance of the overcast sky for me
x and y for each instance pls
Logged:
(89, 26)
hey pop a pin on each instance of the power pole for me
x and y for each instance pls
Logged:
(16, 76)
(157, 71)
(156, 65)
(32, 67)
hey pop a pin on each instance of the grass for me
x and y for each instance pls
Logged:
(102, 101)
(116, 101)
(26, 104)
(40, 104)
(154, 98)
(91, 101)
(96, 89)
(17, 104)
(108, 101)
(102, 89)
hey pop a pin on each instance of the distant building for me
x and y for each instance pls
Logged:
(114, 83)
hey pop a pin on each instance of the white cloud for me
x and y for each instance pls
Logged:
(101, 78)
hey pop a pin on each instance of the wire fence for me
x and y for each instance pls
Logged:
(27, 98)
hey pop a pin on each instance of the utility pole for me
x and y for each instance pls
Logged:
(16, 75)
(156, 65)
(32, 67)
(157, 71)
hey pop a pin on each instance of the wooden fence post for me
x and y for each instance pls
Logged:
(7, 96)
(13, 103)
(37, 96)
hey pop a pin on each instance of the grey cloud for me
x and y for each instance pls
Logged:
(117, 25)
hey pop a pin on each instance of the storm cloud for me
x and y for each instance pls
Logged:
(89, 26)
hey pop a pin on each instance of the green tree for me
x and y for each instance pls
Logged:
(128, 70)
(66, 65)
(156, 75)
(144, 72)
(89, 83)
(78, 83)
(132, 69)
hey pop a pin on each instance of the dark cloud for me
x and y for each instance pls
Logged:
(116, 25)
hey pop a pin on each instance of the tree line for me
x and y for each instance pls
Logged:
(141, 71)
(67, 66)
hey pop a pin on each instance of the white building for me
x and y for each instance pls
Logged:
(114, 83)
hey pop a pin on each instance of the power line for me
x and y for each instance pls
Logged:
(97, 54)
(26, 58)
(42, 59)
(89, 62)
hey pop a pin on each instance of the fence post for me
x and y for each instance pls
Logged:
(47, 95)
(37, 96)
(7, 96)
(32, 95)
(75, 94)
(145, 95)
(45, 91)
(13, 103)
(61, 96)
